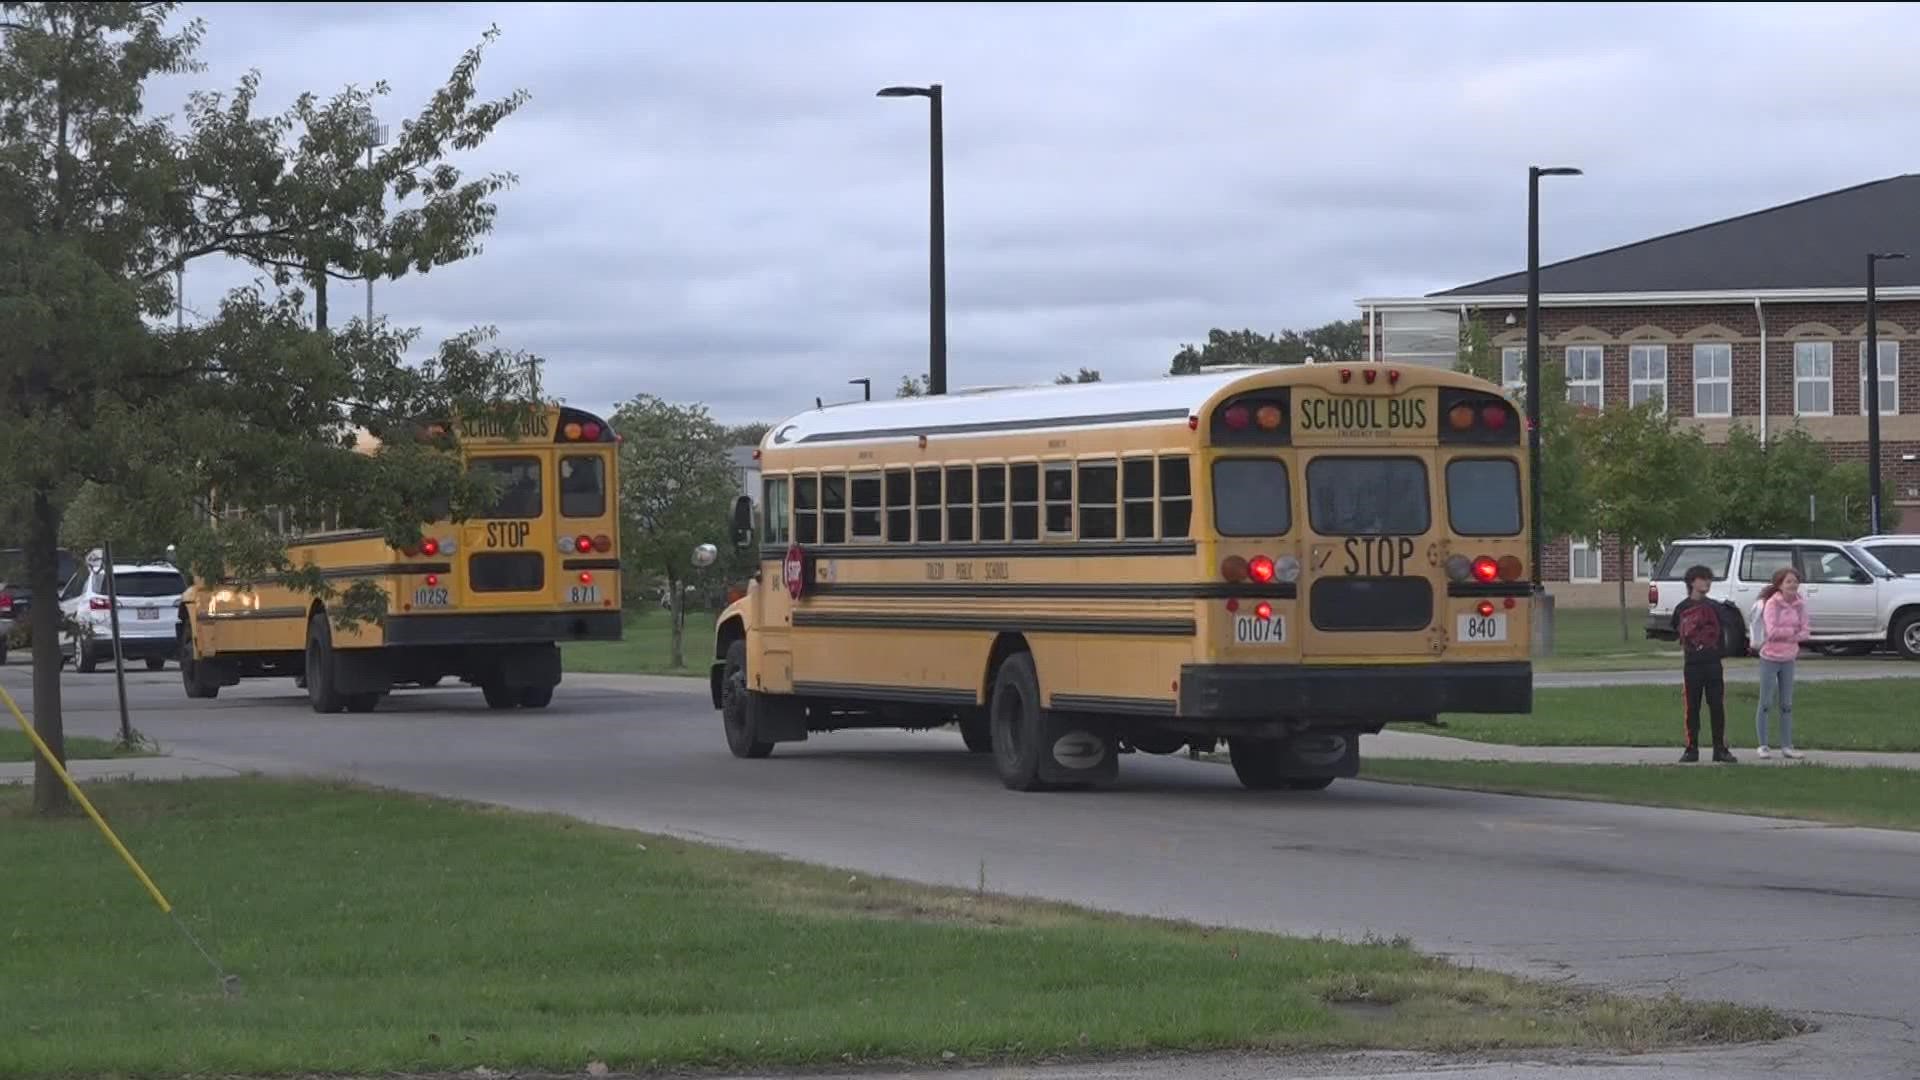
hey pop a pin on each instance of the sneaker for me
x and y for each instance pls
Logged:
(1724, 756)
(1761, 753)
(1790, 752)
(1690, 755)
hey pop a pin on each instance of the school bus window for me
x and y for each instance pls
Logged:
(1483, 496)
(1059, 498)
(1251, 497)
(1026, 502)
(1367, 496)
(960, 503)
(516, 487)
(833, 508)
(1136, 483)
(866, 506)
(583, 487)
(806, 509)
(899, 506)
(1099, 500)
(926, 502)
(993, 502)
(1176, 498)
(773, 509)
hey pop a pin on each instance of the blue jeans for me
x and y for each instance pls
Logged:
(1776, 686)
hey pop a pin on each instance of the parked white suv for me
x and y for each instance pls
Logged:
(1900, 553)
(1855, 603)
(149, 598)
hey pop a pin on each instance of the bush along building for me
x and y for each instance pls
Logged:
(1757, 320)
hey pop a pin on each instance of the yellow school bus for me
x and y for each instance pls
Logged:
(1284, 558)
(485, 600)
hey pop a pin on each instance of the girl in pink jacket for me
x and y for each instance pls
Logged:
(1783, 626)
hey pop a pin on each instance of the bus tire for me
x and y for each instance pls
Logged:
(321, 691)
(1015, 725)
(363, 703)
(156, 663)
(1262, 765)
(739, 708)
(500, 695)
(192, 679)
(536, 697)
(977, 733)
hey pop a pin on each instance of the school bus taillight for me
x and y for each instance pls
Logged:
(432, 580)
(1263, 611)
(603, 543)
(583, 543)
(1510, 568)
(429, 546)
(1485, 569)
(1486, 608)
(1494, 416)
(1260, 569)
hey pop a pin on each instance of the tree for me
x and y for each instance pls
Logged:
(747, 434)
(1086, 375)
(100, 205)
(911, 386)
(677, 488)
(1646, 480)
(1341, 341)
(1568, 508)
(1787, 486)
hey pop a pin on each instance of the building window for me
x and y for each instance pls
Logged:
(1513, 368)
(1889, 378)
(1713, 379)
(1647, 375)
(1642, 566)
(1585, 383)
(1813, 378)
(1583, 562)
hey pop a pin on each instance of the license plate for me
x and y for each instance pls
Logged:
(1482, 628)
(583, 594)
(1253, 630)
(425, 596)
(149, 613)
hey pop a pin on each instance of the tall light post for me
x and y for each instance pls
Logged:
(1873, 386)
(376, 137)
(1534, 173)
(937, 247)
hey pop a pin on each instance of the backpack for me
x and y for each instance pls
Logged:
(1734, 637)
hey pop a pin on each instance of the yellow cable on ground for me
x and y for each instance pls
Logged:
(47, 753)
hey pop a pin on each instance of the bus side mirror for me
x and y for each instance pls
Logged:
(743, 522)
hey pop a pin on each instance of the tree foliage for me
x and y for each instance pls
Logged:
(1787, 486)
(257, 406)
(677, 487)
(1646, 481)
(1085, 375)
(1341, 341)
(911, 386)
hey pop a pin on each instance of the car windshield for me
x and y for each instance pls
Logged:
(1865, 558)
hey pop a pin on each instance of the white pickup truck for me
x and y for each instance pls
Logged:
(1854, 602)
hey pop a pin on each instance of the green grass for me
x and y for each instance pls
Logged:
(1588, 639)
(383, 933)
(14, 746)
(1887, 798)
(1874, 714)
(646, 648)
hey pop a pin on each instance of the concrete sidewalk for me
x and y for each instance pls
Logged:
(1414, 744)
(166, 767)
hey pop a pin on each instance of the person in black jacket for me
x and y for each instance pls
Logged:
(1697, 621)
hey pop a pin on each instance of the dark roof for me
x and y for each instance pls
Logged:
(1816, 243)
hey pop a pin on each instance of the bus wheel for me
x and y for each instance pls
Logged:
(190, 678)
(321, 693)
(1015, 723)
(363, 703)
(739, 712)
(536, 697)
(977, 733)
(500, 695)
(1261, 765)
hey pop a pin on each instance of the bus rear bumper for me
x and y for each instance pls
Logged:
(1382, 693)
(505, 628)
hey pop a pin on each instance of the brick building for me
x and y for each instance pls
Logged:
(1758, 320)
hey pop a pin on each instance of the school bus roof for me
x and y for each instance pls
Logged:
(1170, 400)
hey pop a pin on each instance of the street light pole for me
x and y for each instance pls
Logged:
(937, 242)
(1536, 496)
(376, 137)
(1872, 373)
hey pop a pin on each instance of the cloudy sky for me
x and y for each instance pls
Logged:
(714, 207)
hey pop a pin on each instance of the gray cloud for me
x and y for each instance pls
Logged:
(713, 206)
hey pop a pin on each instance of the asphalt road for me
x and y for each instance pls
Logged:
(1822, 921)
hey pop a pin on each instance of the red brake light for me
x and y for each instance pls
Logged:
(1485, 569)
(1653, 593)
(1263, 611)
(1346, 374)
(590, 431)
(1494, 416)
(1236, 417)
(1260, 568)
(432, 580)
(1371, 375)
(1486, 607)
(1510, 568)
(586, 578)
(583, 543)
(1393, 375)
(1233, 568)
(98, 603)
(6, 601)
(603, 543)
(429, 546)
